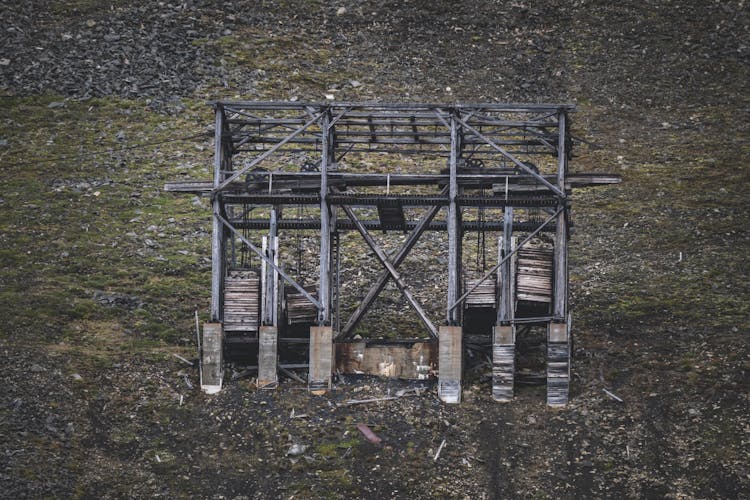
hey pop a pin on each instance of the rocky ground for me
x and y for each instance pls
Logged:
(101, 270)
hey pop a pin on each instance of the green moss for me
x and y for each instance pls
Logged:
(333, 449)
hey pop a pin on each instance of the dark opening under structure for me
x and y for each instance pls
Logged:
(290, 177)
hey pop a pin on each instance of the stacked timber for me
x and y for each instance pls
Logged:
(299, 310)
(483, 295)
(241, 301)
(535, 274)
(558, 373)
(503, 367)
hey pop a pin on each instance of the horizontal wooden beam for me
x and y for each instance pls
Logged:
(516, 183)
(416, 360)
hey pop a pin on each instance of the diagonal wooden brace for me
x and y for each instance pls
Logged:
(391, 270)
(380, 283)
(512, 158)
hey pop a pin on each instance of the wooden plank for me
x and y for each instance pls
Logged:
(558, 373)
(503, 362)
(534, 274)
(516, 183)
(267, 355)
(211, 358)
(321, 359)
(484, 295)
(410, 361)
(450, 363)
(241, 301)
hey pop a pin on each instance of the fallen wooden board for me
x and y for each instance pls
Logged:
(410, 361)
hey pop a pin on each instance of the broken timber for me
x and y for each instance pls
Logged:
(287, 171)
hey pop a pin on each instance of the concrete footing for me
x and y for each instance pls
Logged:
(450, 363)
(321, 359)
(212, 369)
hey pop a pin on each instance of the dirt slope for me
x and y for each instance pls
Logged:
(100, 271)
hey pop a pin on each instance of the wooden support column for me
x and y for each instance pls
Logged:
(324, 284)
(454, 229)
(268, 332)
(321, 336)
(503, 362)
(450, 352)
(558, 364)
(321, 359)
(270, 276)
(450, 363)
(218, 234)
(212, 371)
(506, 306)
(267, 355)
(504, 333)
(558, 334)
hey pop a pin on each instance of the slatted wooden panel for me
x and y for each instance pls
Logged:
(483, 295)
(299, 310)
(558, 373)
(535, 274)
(241, 301)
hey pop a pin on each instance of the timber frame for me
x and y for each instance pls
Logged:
(275, 159)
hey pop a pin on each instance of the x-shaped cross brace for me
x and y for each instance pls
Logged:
(390, 271)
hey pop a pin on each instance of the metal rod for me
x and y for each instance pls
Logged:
(508, 256)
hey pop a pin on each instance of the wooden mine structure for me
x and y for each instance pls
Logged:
(323, 169)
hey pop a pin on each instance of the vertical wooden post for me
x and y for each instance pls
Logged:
(321, 336)
(504, 333)
(212, 371)
(450, 363)
(321, 359)
(558, 335)
(454, 229)
(505, 310)
(267, 354)
(270, 275)
(450, 353)
(558, 364)
(268, 331)
(218, 235)
(560, 307)
(324, 288)
(503, 362)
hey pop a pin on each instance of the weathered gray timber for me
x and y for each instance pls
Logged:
(212, 348)
(450, 363)
(281, 168)
(321, 359)
(268, 377)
